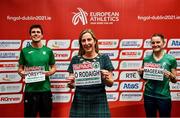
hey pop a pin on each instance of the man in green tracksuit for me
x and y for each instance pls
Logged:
(36, 64)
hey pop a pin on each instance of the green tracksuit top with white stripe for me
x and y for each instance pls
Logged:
(31, 56)
(155, 88)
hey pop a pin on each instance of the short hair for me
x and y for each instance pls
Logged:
(159, 35)
(81, 50)
(35, 26)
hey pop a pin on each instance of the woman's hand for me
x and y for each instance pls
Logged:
(70, 84)
(140, 71)
(107, 77)
(170, 75)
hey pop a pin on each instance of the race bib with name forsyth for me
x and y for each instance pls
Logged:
(34, 74)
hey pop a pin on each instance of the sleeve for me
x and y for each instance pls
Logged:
(70, 68)
(173, 63)
(107, 63)
(142, 63)
(21, 58)
(51, 58)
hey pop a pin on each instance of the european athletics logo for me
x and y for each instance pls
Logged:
(80, 16)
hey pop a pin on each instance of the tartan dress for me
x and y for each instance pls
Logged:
(91, 100)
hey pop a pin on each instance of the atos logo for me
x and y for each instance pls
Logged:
(174, 43)
(131, 86)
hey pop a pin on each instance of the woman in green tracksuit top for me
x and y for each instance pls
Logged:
(157, 92)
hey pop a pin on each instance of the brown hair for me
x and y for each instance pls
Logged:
(81, 50)
(35, 26)
(159, 35)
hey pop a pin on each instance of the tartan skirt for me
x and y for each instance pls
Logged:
(89, 105)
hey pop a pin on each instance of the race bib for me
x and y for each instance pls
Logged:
(153, 71)
(87, 73)
(34, 74)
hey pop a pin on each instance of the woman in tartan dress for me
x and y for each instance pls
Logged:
(90, 100)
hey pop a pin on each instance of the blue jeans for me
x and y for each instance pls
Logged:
(152, 105)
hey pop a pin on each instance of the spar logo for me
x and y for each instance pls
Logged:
(83, 66)
(80, 16)
(152, 65)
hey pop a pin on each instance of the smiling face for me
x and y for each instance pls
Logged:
(88, 43)
(36, 35)
(157, 43)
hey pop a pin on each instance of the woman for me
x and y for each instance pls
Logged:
(90, 100)
(157, 92)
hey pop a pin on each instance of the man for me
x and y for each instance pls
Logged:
(36, 64)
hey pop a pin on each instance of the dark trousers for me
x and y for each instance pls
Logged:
(35, 102)
(152, 105)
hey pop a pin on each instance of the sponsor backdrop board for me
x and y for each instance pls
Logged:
(123, 28)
